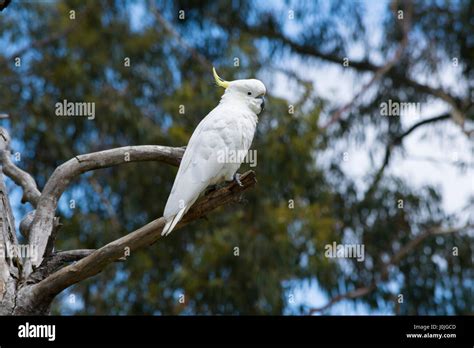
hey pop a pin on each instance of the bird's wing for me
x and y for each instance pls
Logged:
(199, 166)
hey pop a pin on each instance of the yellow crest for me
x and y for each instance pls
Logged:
(219, 81)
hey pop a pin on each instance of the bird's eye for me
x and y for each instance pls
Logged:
(249, 93)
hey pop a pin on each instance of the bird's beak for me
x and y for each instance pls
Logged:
(263, 102)
(220, 82)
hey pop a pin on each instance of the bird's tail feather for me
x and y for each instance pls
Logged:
(170, 225)
(167, 226)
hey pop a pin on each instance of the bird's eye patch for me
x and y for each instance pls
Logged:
(249, 93)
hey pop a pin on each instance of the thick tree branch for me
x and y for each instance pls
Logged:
(58, 260)
(30, 191)
(140, 238)
(43, 221)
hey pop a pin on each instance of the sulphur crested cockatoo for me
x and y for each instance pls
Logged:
(228, 129)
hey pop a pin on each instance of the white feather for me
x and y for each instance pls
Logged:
(228, 127)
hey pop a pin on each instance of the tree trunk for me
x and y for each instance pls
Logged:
(16, 297)
(21, 300)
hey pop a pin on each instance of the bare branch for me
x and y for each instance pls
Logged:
(58, 260)
(140, 238)
(30, 191)
(43, 221)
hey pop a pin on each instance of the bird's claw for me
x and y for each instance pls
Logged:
(237, 179)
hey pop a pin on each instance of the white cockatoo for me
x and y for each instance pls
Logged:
(229, 129)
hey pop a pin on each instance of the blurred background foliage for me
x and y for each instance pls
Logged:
(82, 59)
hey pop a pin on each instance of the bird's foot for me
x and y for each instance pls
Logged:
(237, 179)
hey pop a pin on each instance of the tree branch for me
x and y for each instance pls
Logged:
(57, 260)
(140, 238)
(43, 221)
(31, 193)
(397, 141)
